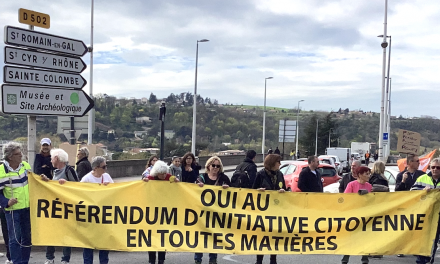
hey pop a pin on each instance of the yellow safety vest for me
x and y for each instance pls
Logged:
(15, 185)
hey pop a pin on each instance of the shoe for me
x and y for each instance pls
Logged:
(213, 262)
(49, 261)
(64, 262)
(161, 262)
(198, 262)
(400, 255)
(8, 261)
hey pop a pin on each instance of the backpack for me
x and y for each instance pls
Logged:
(70, 171)
(240, 178)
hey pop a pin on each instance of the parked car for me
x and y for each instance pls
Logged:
(356, 155)
(332, 160)
(291, 170)
(390, 173)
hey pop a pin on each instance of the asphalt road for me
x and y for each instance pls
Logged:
(38, 256)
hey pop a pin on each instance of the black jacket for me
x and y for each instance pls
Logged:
(222, 179)
(346, 179)
(83, 167)
(42, 165)
(309, 182)
(251, 168)
(406, 186)
(190, 176)
(263, 180)
(377, 179)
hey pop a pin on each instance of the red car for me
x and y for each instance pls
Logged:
(291, 170)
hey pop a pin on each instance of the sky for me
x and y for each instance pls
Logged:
(325, 52)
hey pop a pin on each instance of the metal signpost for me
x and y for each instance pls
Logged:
(287, 131)
(58, 58)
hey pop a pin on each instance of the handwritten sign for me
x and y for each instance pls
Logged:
(408, 142)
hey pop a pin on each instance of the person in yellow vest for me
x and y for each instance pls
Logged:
(14, 197)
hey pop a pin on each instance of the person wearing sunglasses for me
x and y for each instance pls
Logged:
(427, 183)
(213, 176)
(97, 175)
(406, 179)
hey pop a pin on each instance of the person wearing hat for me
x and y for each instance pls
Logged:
(42, 163)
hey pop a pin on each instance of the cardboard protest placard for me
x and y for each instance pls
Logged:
(408, 142)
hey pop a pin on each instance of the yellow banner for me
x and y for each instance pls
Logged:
(183, 217)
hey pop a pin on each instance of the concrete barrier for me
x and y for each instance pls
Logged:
(127, 168)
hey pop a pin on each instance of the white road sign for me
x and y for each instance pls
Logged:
(43, 60)
(19, 75)
(38, 40)
(44, 101)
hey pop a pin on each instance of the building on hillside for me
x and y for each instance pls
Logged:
(142, 119)
(140, 134)
(144, 100)
(169, 134)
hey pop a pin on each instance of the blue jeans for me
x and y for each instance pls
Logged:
(198, 257)
(50, 253)
(88, 256)
(19, 231)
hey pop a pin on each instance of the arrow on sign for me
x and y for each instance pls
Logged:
(23, 100)
(41, 77)
(38, 40)
(43, 60)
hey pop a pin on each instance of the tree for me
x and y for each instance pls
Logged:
(152, 99)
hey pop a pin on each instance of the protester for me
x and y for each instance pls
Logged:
(270, 151)
(428, 182)
(97, 175)
(190, 169)
(83, 165)
(298, 154)
(42, 164)
(377, 179)
(361, 186)
(16, 202)
(406, 179)
(248, 165)
(292, 154)
(175, 168)
(149, 166)
(59, 159)
(213, 176)
(270, 178)
(277, 151)
(158, 172)
(376, 156)
(367, 158)
(349, 177)
(309, 179)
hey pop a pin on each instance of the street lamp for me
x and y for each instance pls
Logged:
(193, 139)
(297, 134)
(387, 118)
(264, 117)
(384, 45)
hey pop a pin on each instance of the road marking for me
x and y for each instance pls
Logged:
(229, 257)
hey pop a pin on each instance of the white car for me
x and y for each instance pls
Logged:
(332, 160)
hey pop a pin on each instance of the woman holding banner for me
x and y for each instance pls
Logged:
(361, 186)
(159, 172)
(270, 178)
(97, 175)
(213, 176)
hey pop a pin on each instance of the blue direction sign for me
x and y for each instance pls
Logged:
(385, 136)
(20, 75)
(38, 40)
(43, 60)
(24, 100)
